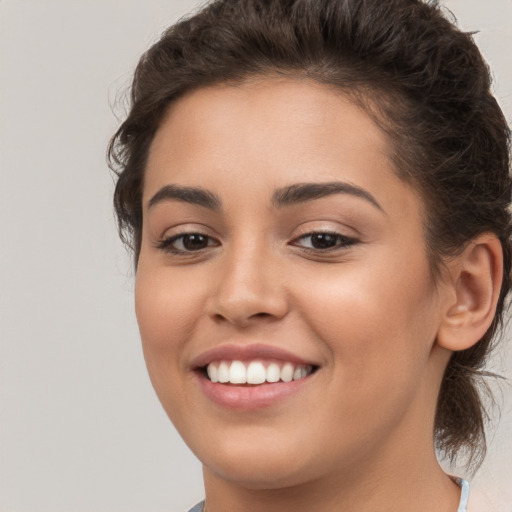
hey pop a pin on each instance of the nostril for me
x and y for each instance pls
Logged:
(241, 309)
(219, 316)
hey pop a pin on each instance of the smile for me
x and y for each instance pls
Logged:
(251, 377)
(256, 372)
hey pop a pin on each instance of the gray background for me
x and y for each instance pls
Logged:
(80, 427)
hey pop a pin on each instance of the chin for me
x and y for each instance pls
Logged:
(259, 474)
(261, 465)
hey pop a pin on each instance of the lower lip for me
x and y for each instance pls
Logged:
(246, 398)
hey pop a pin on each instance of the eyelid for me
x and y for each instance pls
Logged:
(184, 228)
(165, 243)
(346, 241)
(171, 235)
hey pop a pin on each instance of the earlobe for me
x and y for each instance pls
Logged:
(475, 282)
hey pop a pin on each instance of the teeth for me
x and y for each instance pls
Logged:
(287, 372)
(255, 372)
(237, 373)
(273, 372)
(213, 373)
(223, 373)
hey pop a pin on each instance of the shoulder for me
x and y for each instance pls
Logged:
(197, 508)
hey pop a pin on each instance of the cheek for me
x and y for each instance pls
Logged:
(378, 328)
(375, 317)
(166, 307)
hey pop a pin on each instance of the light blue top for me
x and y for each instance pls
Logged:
(463, 504)
(464, 494)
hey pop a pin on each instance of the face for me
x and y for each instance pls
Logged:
(280, 247)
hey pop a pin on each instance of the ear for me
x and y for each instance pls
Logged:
(471, 293)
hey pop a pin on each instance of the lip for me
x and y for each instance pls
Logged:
(250, 398)
(232, 352)
(247, 397)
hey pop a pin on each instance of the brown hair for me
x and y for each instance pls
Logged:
(425, 83)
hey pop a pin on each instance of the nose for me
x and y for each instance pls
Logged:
(249, 288)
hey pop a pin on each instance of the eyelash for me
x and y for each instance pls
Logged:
(342, 243)
(166, 244)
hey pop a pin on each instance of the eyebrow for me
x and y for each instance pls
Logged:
(285, 196)
(302, 192)
(192, 195)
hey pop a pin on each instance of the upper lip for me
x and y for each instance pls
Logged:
(233, 352)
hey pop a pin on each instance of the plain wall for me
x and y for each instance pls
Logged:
(81, 429)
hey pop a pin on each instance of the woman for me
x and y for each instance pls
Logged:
(317, 194)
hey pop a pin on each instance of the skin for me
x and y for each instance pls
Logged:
(358, 435)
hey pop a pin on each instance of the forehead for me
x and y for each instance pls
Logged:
(269, 133)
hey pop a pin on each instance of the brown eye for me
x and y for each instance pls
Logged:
(187, 243)
(324, 241)
(194, 242)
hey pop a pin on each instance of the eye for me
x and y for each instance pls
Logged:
(187, 243)
(324, 241)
